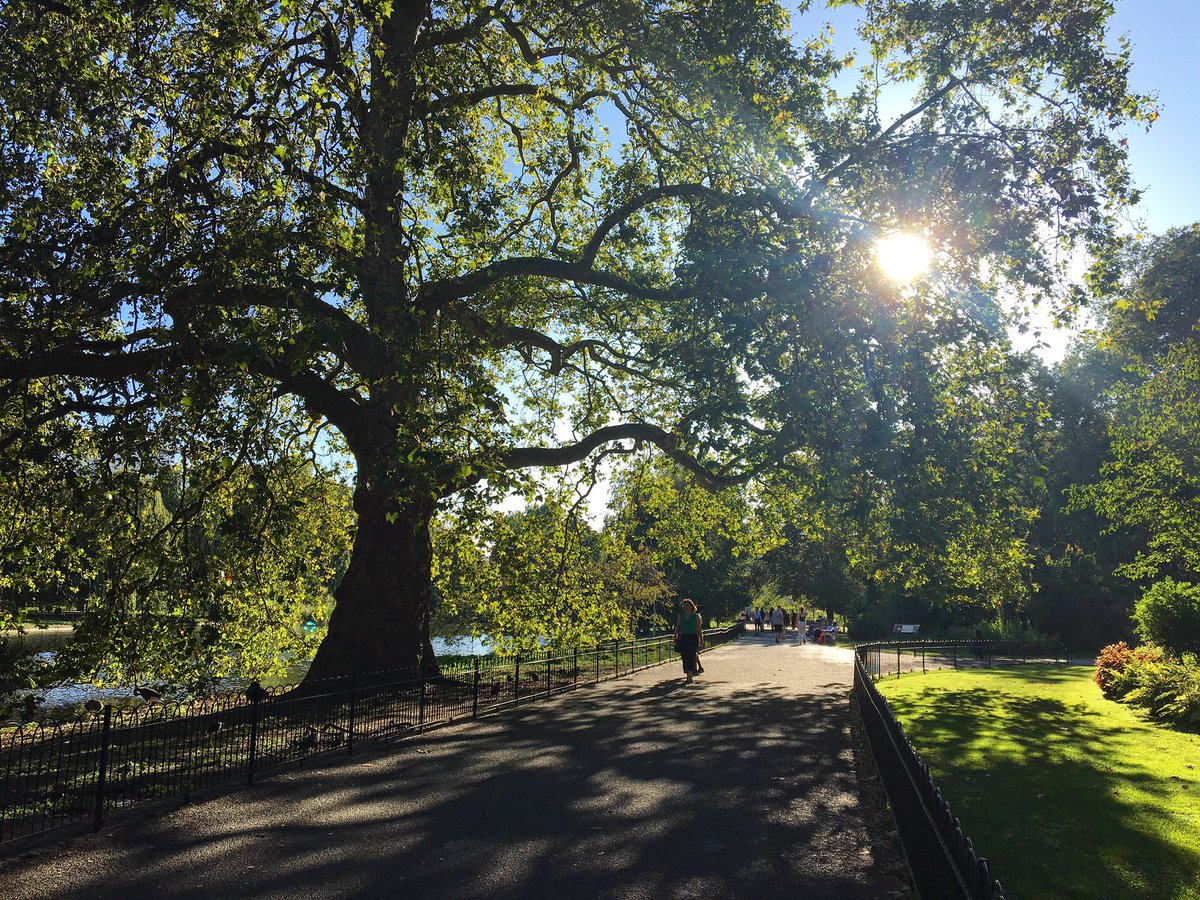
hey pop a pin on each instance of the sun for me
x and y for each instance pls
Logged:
(903, 257)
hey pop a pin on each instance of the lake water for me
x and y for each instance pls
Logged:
(44, 642)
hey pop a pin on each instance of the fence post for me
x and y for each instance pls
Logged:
(575, 667)
(254, 706)
(596, 651)
(616, 657)
(475, 692)
(421, 706)
(547, 674)
(954, 650)
(897, 660)
(102, 774)
(633, 655)
(353, 699)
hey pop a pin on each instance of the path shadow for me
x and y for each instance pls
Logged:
(633, 791)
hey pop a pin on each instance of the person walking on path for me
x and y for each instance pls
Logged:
(777, 623)
(802, 625)
(689, 637)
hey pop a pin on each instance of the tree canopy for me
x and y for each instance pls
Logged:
(465, 239)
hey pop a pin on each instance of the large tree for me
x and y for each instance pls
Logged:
(478, 237)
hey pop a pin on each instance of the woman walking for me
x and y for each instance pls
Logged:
(802, 625)
(689, 637)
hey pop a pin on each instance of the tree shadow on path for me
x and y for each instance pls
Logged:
(640, 788)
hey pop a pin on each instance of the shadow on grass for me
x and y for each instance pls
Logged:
(1038, 788)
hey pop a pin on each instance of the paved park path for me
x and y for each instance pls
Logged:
(741, 785)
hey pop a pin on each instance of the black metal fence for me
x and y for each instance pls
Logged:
(897, 657)
(943, 860)
(69, 772)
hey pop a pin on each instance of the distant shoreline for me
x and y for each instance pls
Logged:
(56, 628)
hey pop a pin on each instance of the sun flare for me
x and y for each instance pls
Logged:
(903, 257)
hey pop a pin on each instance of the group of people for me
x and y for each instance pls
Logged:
(689, 630)
(823, 630)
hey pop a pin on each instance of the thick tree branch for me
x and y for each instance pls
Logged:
(91, 365)
(625, 210)
(436, 294)
(352, 342)
(527, 457)
(487, 93)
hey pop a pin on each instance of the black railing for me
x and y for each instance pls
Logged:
(70, 772)
(885, 658)
(943, 860)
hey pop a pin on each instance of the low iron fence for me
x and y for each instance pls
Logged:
(65, 773)
(943, 860)
(897, 657)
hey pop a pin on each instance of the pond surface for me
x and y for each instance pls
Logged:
(43, 643)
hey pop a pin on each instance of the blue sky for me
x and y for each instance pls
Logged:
(1166, 49)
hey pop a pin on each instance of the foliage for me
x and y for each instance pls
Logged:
(1111, 662)
(704, 542)
(1168, 689)
(542, 576)
(1159, 306)
(1078, 596)
(1148, 481)
(1152, 480)
(474, 240)
(1116, 660)
(1168, 614)
(1117, 667)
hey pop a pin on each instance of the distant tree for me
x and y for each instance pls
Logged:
(411, 219)
(1152, 482)
(1168, 614)
(705, 543)
(1160, 306)
(542, 576)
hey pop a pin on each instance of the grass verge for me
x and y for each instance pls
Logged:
(1069, 795)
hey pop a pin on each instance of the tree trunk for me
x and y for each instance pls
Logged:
(381, 617)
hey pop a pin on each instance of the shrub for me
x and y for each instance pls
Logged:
(1168, 689)
(1110, 663)
(1117, 664)
(1168, 614)
(1129, 677)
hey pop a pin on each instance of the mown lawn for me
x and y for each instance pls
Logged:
(1066, 793)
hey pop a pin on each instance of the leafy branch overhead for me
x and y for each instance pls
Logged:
(468, 239)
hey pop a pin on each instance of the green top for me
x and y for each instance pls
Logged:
(688, 624)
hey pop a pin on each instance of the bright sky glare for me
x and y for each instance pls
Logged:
(903, 257)
(1164, 35)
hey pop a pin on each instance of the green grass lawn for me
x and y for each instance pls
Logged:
(1067, 794)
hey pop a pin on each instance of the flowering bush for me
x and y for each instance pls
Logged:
(1110, 663)
(1114, 665)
